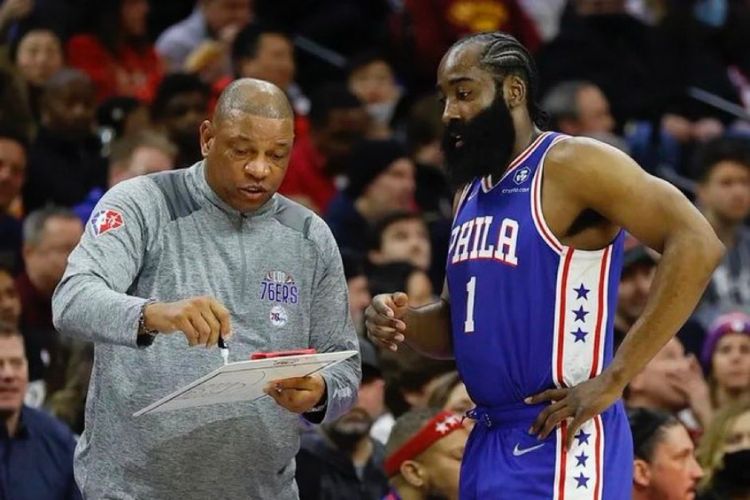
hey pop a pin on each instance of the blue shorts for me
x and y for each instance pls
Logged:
(502, 460)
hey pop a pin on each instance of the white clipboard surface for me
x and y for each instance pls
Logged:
(243, 380)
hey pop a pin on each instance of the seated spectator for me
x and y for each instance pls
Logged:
(267, 53)
(424, 454)
(180, 106)
(65, 160)
(144, 153)
(401, 237)
(118, 55)
(726, 359)
(578, 108)
(672, 382)
(319, 159)
(410, 378)
(37, 55)
(665, 467)
(12, 176)
(724, 198)
(450, 394)
(49, 235)
(10, 301)
(424, 30)
(638, 270)
(424, 132)
(211, 20)
(381, 181)
(372, 79)
(36, 449)
(358, 287)
(342, 461)
(122, 117)
(724, 453)
(14, 107)
(402, 276)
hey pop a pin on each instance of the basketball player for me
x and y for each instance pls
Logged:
(532, 273)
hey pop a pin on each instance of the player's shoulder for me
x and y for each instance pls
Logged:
(571, 150)
(582, 158)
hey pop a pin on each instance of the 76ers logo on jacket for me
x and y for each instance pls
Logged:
(105, 220)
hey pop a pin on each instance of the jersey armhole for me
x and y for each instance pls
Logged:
(536, 203)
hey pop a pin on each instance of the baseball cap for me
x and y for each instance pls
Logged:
(634, 252)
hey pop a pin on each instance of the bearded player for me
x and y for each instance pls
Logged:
(531, 284)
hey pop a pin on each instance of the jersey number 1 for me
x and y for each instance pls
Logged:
(471, 288)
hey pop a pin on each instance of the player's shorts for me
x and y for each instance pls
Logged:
(503, 461)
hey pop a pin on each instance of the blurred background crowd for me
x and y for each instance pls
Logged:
(93, 92)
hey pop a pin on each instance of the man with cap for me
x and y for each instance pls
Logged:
(726, 358)
(341, 460)
(638, 270)
(423, 455)
(381, 181)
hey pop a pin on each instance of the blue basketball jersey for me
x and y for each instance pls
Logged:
(528, 313)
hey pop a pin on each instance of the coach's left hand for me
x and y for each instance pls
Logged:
(579, 403)
(298, 394)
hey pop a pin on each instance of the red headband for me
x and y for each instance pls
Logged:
(438, 427)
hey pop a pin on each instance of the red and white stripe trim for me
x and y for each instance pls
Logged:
(581, 316)
(536, 203)
(578, 473)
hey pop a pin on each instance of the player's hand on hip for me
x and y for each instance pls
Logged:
(200, 319)
(578, 403)
(297, 394)
(384, 319)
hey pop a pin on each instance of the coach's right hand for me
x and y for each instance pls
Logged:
(384, 319)
(201, 319)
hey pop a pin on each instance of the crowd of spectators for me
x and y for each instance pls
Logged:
(94, 92)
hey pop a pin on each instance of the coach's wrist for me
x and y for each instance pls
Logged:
(148, 323)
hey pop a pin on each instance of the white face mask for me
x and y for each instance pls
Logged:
(382, 112)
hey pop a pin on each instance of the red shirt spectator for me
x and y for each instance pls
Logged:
(117, 55)
(131, 73)
(433, 26)
(337, 121)
(307, 176)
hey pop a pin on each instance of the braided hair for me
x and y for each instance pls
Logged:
(503, 55)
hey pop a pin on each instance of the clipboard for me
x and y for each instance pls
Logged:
(243, 381)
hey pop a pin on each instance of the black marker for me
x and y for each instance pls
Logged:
(224, 350)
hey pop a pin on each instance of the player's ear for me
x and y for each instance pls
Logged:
(413, 473)
(207, 137)
(514, 91)
(641, 473)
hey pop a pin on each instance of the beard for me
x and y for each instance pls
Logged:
(480, 146)
(350, 429)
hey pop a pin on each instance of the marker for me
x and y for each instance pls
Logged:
(224, 350)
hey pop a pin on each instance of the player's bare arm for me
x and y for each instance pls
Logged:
(427, 329)
(584, 176)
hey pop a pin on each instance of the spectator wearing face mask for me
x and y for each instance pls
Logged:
(372, 79)
(724, 454)
(726, 359)
(664, 467)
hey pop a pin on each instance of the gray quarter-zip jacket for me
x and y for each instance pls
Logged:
(278, 271)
